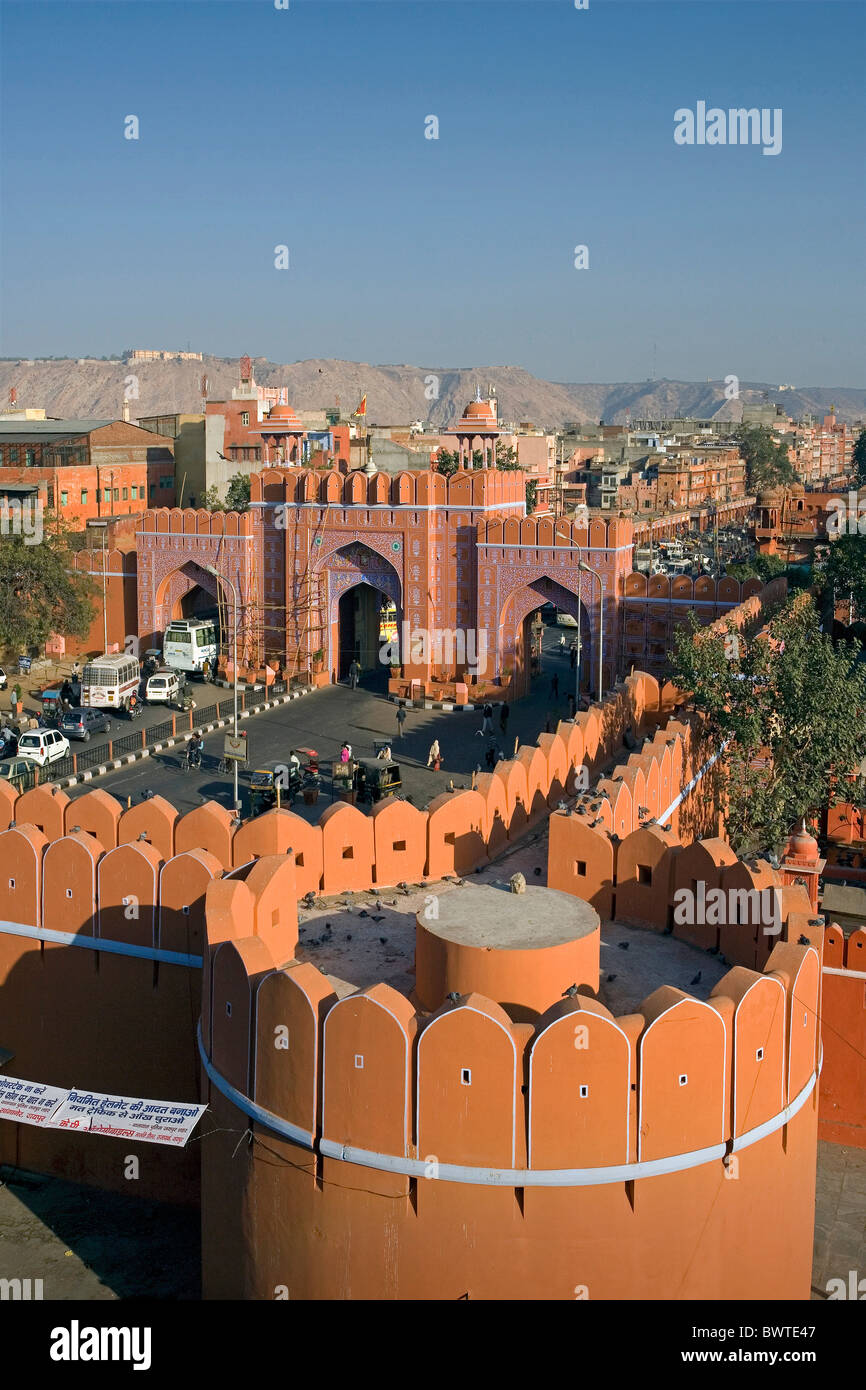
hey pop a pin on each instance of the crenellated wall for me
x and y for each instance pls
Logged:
(87, 866)
(428, 1134)
(483, 487)
(842, 1117)
(654, 608)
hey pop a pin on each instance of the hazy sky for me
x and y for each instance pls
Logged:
(305, 127)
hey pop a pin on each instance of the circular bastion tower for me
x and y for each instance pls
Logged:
(444, 1107)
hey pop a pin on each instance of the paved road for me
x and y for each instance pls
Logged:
(202, 693)
(324, 718)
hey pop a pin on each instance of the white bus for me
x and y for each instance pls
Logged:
(190, 645)
(109, 682)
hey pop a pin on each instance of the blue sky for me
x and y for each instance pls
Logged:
(305, 127)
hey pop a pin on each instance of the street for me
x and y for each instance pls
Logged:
(323, 719)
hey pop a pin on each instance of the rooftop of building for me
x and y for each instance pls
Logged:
(54, 428)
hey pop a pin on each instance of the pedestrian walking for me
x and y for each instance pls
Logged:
(504, 712)
(401, 719)
(490, 756)
(434, 757)
(354, 674)
(554, 688)
(487, 726)
(572, 657)
(346, 753)
(571, 705)
(562, 641)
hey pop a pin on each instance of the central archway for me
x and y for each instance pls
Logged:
(365, 619)
(364, 611)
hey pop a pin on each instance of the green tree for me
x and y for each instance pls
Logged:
(845, 571)
(858, 457)
(446, 462)
(764, 567)
(238, 493)
(792, 707)
(212, 501)
(767, 462)
(531, 496)
(506, 458)
(40, 592)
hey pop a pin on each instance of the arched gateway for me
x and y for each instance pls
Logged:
(322, 558)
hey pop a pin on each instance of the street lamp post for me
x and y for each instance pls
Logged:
(587, 570)
(579, 635)
(211, 569)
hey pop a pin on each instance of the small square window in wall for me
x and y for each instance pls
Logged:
(759, 1055)
(644, 874)
(349, 852)
(399, 846)
(359, 1061)
(580, 868)
(684, 1080)
(11, 883)
(69, 892)
(228, 1009)
(466, 1077)
(185, 911)
(584, 1092)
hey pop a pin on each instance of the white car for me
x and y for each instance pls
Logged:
(43, 746)
(165, 688)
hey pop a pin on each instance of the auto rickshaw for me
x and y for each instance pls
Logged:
(274, 784)
(309, 775)
(374, 779)
(151, 662)
(53, 708)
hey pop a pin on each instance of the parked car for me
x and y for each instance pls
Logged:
(43, 746)
(81, 723)
(165, 688)
(19, 772)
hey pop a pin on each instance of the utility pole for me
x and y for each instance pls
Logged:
(211, 569)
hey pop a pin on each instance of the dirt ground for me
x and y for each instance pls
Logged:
(87, 1244)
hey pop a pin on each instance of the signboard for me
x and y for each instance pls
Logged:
(235, 747)
(91, 1112)
(123, 1117)
(27, 1101)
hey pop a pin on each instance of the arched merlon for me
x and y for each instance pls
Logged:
(503, 1177)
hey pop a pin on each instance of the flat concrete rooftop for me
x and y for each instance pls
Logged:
(486, 915)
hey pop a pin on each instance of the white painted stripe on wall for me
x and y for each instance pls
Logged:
(98, 943)
(501, 1177)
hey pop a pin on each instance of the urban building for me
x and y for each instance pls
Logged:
(87, 468)
(256, 427)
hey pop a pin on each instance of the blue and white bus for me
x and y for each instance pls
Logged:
(190, 644)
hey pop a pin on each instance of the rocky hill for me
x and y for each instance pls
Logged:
(395, 394)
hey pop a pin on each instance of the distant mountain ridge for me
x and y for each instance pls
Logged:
(397, 394)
